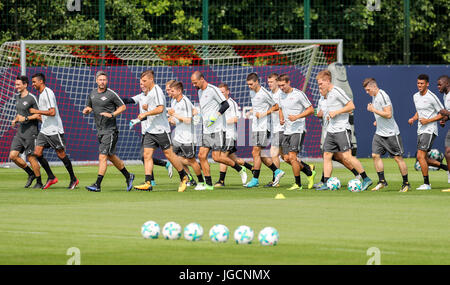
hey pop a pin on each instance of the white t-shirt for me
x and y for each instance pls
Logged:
(231, 112)
(157, 124)
(322, 105)
(294, 103)
(51, 125)
(210, 100)
(385, 127)
(142, 99)
(337, 99)
(447, 101)
(262, 101)
(276, 126)
(427, 106)
(184, 132)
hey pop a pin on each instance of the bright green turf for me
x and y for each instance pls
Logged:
(38, 226)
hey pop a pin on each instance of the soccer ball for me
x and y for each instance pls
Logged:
(436, 154)
(333, 183)
(219, 233)
(354, 185)
(193, 232)
(150, 230)
(268, 236)
(172, 231)
(243, 235)
(418, 168)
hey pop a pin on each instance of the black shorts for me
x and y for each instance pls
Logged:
(214, 141)
(293, 143)
(184, 150)
(425, 141)
(23, 144)
(107, 143)
(56, 142)
(162, 141)
(230, 146)
(337, 142)
(392, 145)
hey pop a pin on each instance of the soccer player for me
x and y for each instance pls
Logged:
(181, 115)
(263, 105)
(322, 114)
(295, 107)
(387, 136)
(337, 139)
(277, 128)
(157, 130)
(23, 141)
(213, 105)
(229, 148)
(427, 113)
(106, 106)
(443, 85)
(142, 108)
(51, 133)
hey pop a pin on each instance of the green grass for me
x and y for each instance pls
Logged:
(39, 226)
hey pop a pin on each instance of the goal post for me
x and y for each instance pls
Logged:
(70, 66)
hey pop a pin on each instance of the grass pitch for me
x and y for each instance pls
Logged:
(39, 226)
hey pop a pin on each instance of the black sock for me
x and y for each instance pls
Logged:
(355, 172)
(44, 163)
(405, 179)
(200, 178)
(208, 180)
(152, 177)
(443, 166)
(306, 169)
(237, 167)
(273, 167)
(381, 176)
(298, 181)
(182, 174)
(39, 179)
(426, 180)
(99, 180)
(148, 178)
(68, 165)
(323, 178)
(363, 175)
(256, 173)
(125, 172)
(222, 176)
(273, 176)
(159, 162)
(248, 166)
(28, 170)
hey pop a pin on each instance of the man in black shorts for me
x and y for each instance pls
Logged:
(23, 141)
(106, 106)
(52, 132)
(157, 130)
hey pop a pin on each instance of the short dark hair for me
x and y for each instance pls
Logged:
(177, 85)
(40, 76)
(253, 76)
(423, 77)
(23, 78)
(284, 77)
(445, 77)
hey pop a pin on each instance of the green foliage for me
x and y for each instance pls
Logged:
(370, 37)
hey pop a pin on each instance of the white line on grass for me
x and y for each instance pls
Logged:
(356, 250)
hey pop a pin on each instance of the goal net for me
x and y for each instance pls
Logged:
(70, 67)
